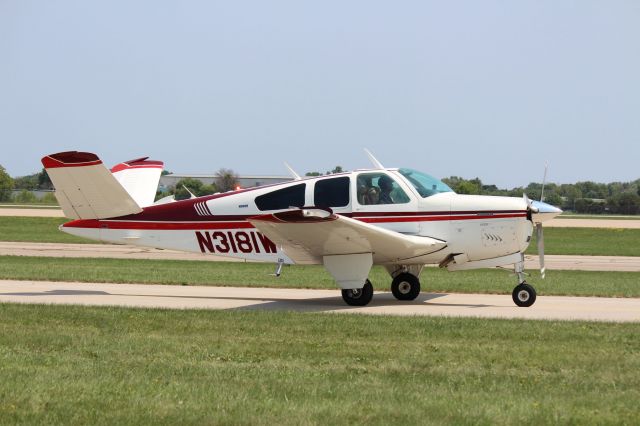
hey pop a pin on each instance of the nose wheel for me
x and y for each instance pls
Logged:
(524, 295)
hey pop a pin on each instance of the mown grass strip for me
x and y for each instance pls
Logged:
(609, 284)
(589, 242)
(87, 365)
(36, 229)
(572, 241)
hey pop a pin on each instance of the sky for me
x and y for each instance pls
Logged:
(488, 89)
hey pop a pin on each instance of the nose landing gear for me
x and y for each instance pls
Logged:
(523, 295)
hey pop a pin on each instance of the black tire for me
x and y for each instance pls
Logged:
(405, 287)
(358, 296)
(524, 295)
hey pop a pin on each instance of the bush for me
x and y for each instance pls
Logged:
(25, 197)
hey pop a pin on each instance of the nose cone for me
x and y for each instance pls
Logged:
(543, 212)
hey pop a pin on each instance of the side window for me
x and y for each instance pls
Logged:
(282, 198)
(332, 192)
(379, 188)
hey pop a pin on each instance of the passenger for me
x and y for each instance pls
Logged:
(386, 186)
(367, 193)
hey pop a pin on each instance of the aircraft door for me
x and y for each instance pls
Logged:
(383, 200)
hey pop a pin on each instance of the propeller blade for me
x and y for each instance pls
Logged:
(540, 242)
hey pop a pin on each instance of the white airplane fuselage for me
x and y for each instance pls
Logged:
(475, 228)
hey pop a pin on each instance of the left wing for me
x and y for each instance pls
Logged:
(308, 235)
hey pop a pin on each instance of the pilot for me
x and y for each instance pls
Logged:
(386, 186)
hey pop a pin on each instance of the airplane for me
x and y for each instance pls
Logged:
(399, 218)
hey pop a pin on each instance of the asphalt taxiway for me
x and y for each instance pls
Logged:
(326, 301)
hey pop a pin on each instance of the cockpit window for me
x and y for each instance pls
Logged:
(379, 188)
(423, 183)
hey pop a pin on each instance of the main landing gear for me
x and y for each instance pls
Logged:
(523, 295)
(358, 296)
(405, 286)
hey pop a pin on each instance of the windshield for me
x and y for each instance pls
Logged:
(423, 183)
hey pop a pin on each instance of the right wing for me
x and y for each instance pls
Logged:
(85, 188)
(308, 235)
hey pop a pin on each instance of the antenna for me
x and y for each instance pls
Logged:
(544, 180)
(374, 161)
(292, 172)
(190, 193)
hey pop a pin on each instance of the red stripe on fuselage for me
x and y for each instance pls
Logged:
(240, 222)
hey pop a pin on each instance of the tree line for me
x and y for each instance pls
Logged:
(581, 197)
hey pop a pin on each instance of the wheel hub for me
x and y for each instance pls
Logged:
(523, 295)
(404, 287)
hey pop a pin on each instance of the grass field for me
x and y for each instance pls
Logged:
(178, 272)
(566, 215)
(80, 365)
(36, 229)
(575, 241)
(589, 242)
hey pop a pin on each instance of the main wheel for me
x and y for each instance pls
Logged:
(405, 286)
(358, 296)
(524, 295)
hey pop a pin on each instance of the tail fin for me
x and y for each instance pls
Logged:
(139, 178)
(84, 187)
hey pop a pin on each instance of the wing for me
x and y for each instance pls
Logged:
(307, 235)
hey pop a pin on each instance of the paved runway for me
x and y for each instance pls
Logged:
(328, 301)
(582, 263)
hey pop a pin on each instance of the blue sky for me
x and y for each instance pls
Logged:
(490, 89)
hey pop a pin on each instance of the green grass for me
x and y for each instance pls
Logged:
(81, 365)
(589, 242)
(575, 241)
(178, 272)
(567, 215)
(36, 229)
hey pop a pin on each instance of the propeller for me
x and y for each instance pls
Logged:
(539, 234)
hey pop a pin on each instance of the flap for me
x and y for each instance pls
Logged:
(307, 235)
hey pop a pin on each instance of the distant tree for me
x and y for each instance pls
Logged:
(226, 180)
(195, 186)
(336, 169)
(29, 182)
(464, 186)
(313, 174)
(624, 203)
(44, 182)
(165, 172)
(6, 185)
